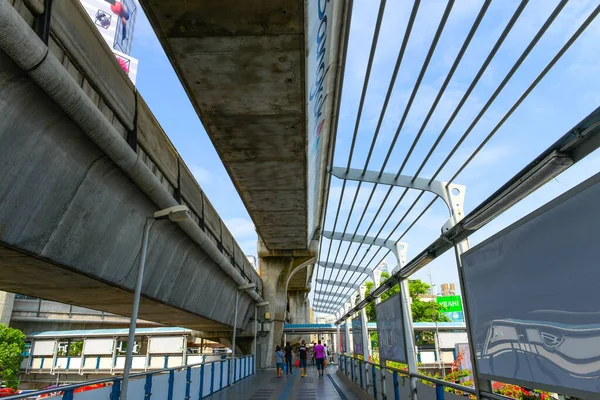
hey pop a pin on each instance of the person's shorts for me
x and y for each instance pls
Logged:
(280, 365)
(320, 363)
(302, 363)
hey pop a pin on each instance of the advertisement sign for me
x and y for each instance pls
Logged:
(320, 82)
(344, 338)
(357, 339)
(463, 358)
(453, 307)
(115, 20)
(390, 330)
(533, 297)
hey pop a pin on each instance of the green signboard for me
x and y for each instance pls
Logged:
(451, 303)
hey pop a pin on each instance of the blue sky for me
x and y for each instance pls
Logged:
(567, 94)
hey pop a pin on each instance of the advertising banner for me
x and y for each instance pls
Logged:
(533, 297)
(463, 358)
(453, 308)
(320, 85)
(344, 338)
(357, 339)
(390, 330)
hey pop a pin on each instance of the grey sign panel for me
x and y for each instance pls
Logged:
(357, 340)
(533, 297)
(390, 332)
(344, 338)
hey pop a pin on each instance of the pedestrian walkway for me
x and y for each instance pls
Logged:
(266, 386)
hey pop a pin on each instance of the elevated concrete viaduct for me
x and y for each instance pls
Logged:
(263, 76)
(84, 163)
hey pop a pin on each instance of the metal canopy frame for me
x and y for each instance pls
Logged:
(575, 144)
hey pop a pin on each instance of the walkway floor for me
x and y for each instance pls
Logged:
(265, 386)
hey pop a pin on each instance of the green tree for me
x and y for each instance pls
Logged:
(422, 311)
(12, 345)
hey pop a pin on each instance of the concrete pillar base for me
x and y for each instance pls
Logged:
(7, 301)
(276, 270)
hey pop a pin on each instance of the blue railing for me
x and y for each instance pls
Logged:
(179, 383)
(388, 383)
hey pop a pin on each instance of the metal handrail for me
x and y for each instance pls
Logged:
(437, 381)
(466, 389)
(115, 379)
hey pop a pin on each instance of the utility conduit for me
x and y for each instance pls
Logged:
(23, 46)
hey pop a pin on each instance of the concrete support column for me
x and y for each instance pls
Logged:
(299, 308)
(7, 301)
(276, 268)
(273, 271)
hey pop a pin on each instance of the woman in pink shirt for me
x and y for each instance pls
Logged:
(320, 357)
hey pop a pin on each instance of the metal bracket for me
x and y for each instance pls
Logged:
(452, 194)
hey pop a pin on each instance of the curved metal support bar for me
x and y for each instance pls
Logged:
(348, 237)
(452, 194)
(340, 300)
(332, 305)
(348, 285)
(338, 295)
(347, 267)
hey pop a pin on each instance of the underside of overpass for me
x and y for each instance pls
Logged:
(262, 76)
(84, 164)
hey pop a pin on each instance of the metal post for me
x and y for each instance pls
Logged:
(480, 385)
(188, 382)
(171, 385)
(136, 305)
(148, 387)
(396, 385)
(409, 336)
(255, 333)
(439, 392)
(338, 347)
(201, 389)
(231, 366)
(365, 336)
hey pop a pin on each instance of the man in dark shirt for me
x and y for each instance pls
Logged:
(303, 355)
(289, 353)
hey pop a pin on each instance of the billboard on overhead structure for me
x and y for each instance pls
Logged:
(390, 330)
(533, 298)
(357, 339)
(322, 47)
(115, 20)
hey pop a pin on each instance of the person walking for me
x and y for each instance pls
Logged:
(289, 353)
(302, 356)
(279, 355)
(320, 357)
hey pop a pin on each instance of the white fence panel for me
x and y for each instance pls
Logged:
(207, 380)
(136, 389)
(179, 385)
(43, 348)
(195, 385)
(225, 372)
(217, 377)
(96, 394)
(160, 386)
